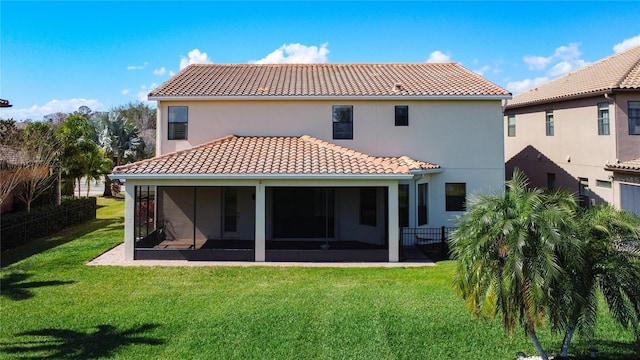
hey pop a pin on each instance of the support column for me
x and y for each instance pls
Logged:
(394, 243)
(129, 216)
(260, 221)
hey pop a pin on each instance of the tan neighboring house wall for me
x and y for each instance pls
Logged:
(577, 150)
(574, 151)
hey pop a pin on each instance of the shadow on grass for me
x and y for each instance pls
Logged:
(71, 344)
(612, 350)
(39, 245)
(15, 288)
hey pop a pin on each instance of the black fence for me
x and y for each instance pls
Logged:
(431, 242)
(19, 228)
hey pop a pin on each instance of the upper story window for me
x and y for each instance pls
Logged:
(402, 115)
(603, 119)
(178, 121)
(634, 117)
(342, 122)
(455, 196)
(549, 123)
(511, 125)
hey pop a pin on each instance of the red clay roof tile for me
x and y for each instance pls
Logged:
(280, 80)
(619, 71)
(289, 155)
(631, 165)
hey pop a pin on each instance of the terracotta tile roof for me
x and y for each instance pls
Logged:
(285, 155)
(619, 71)
(279, 80)
(631, 165)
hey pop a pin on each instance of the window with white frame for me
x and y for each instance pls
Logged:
(549, 123)
(603, 119)
(511, 125)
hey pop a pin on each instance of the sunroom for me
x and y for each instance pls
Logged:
(266, 199)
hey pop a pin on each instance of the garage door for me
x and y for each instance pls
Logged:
(630, 198)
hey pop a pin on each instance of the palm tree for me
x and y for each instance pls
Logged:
(512, 249)
(120, 140)
(96, 166)
(611, 269)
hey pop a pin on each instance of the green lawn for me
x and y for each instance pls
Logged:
(54, 306)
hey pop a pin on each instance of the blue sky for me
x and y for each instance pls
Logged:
(57, 56)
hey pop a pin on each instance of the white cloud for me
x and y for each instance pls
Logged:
(37, 112)
(194, 57)
(296, 54)
(137, 67)
(537, 62)
(143, 93)
(564, 59)
(160, 71)
(482, 70)
(519, 86)
(565, 67)
(125, 91)
(438, 57)
(627, 44)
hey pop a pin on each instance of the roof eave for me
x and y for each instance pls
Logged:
(331, 97)
(622, 170)
(426, 171)
(260, 176)
(511, 106)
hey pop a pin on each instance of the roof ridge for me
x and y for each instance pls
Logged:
(325, 64)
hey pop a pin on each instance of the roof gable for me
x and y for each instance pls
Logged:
(325, 80)
(284, 155)
(619, 71)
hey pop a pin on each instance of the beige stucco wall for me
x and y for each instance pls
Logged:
(628, 146)
(464, 137)
(575, 151)
(453, 134)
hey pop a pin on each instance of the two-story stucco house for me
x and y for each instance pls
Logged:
(310, 162)
(581, 132)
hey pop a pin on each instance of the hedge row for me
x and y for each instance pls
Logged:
(21, 227)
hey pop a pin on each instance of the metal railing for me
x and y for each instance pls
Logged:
(432, 242)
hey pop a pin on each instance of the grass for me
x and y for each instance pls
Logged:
(53, 306)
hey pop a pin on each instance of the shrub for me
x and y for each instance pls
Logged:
(21, 227)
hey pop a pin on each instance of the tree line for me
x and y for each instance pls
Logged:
(63, 148)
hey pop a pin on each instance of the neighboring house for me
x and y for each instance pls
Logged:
(572, 132)
(626, 176)
(281, 162)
